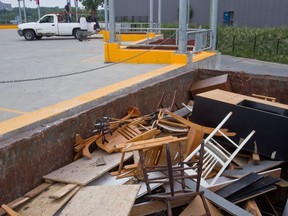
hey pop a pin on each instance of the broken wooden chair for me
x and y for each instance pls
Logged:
(215, 154)
(173, 174)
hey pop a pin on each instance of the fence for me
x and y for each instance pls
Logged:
(266, 47)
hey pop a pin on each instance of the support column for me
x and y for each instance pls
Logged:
(112, 37)
(151, 14)
(106, 13)
(213, 21)
(159, 14)
(20, 13)
(182, 48)
(25, 18)
(76, 9)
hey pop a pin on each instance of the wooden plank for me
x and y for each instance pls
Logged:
(255, 193)
(147, 208)
(9, 211)
(38, 190)
(252, 207)
(253, 188)
(276, 173)
(251, 167)
(239, 185)
(83, 171)
(102, 200)
(196, 208)
(217, 82)
(42, 205)
(63, 191)
(219, 201)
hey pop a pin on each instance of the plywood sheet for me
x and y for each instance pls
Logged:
(42, 205)
(83, 171)
(102, 201)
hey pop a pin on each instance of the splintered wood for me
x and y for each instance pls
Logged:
(102, 201)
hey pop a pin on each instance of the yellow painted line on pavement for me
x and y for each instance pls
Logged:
(51, 111)
(12, 111)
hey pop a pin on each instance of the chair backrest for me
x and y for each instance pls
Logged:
(215, 154)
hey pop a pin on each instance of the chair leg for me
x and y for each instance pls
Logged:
(169, 209)
(205, 205)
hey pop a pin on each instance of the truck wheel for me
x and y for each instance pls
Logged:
(29, 35)
(38, 37)
(76, 33)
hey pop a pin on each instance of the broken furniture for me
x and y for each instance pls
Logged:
(268, 118)
(173, 172)
(215, 154)
(218, 82)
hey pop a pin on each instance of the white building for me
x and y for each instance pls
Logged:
(4, 6)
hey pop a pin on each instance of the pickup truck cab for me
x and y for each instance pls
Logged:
(51, 25)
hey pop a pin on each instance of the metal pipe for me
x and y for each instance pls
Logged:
(182, 26)
(24, 7)
(76, 9)
(106, 13)
(159, 14)
(20, 13)
(112, 37)
(213, 21)
(151, 14)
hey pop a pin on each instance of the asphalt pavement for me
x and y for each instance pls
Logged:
(40, 73)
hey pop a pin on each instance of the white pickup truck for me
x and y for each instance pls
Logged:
(51, 25)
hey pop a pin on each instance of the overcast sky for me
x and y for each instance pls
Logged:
(43, 3)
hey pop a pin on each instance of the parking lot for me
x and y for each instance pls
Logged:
(40, 73)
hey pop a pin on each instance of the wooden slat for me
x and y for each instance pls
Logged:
(252, 207)
(102, 200)
(63, 191)
(9, 211)
(43, 205)
(37, 190)
(83, 171)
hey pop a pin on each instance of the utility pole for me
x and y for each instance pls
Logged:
(76, 9)
(159, 15)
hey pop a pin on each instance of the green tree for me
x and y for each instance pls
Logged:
(92, 5)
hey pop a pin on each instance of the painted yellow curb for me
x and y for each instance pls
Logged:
(8, 26)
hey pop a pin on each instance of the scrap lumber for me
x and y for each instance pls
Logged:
(63, 191)
(151, 207)
(9, 211)
(252, 207)
(264, 97)
(43, 205)
(83, 171)
(37, 190)
(276, 173)
(238, 185)
(102, 200)
(218, 82)
(219, 201)
(251, 167)
(196, 208)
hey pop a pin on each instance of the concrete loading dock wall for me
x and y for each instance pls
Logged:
(25, 158)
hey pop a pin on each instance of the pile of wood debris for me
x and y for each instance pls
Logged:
(128, 166)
